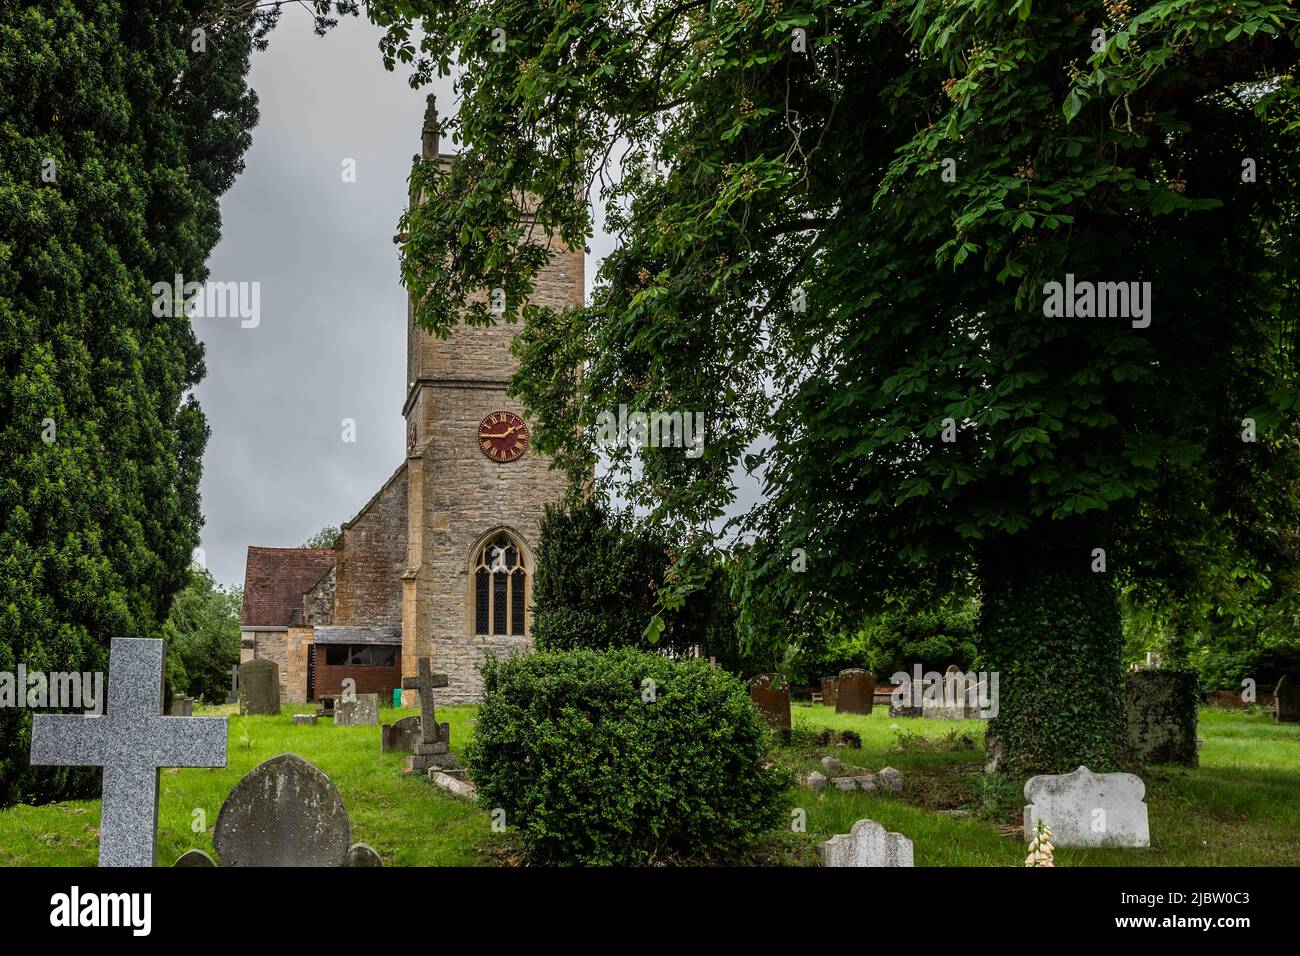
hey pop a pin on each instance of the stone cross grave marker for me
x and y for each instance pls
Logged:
(233, 696)
(131, 741)
(431, 732)
(434, 746)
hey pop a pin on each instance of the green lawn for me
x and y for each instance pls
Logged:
(405, 818)
(1239, 808)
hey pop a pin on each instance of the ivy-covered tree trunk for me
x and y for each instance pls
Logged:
(1050, 628)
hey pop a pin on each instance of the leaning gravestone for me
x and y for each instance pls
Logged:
(284, 812)
(867, 844)
(830, 690)
(362, 710)
(259, 687)
(400, 737)
(1161, 710)
(772, 703)
(131, 741)
(1088, 809)
(1286, 702)
(855, 691)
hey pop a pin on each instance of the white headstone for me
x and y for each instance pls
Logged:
(867, 844)
(1088, 809)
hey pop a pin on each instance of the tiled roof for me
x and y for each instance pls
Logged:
(342, 634)
(275, 580)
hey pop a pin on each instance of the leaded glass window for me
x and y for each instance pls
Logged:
(500, 585)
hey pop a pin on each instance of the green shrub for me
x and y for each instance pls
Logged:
(622, 757)
(932, 634)
(202, 633)
(596, 579)
(597, 585)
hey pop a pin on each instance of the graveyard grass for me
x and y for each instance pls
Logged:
(406, 819)
(1236, 809)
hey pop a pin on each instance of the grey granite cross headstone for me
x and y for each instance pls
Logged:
(131, 741)
(425, 684)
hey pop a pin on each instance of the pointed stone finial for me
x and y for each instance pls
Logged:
(429, 135)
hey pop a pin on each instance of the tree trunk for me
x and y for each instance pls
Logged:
(1050, 628)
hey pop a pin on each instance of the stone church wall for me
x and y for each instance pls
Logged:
(272, 646)
(371, 556)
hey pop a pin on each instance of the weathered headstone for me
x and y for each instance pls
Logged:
(363, 854)
(1286, 701)
(829, 689)
(855, 691)
(1088, 809)
(233, 696)
(948, 700)
(400, 737)
(867, 844)
(284, 812)
(772, 703)
(306, 720)
(1162, 712)
(360, 710)
(259, 687)
(890, 779)
(194, 858)
(130, 741)
(182, 706)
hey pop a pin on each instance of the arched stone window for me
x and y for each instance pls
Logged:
(500, 587)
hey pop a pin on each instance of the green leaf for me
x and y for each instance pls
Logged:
(1071, 106)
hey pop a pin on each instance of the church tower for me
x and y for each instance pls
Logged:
(476, 490)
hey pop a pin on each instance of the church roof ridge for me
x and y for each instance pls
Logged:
(265, 549)
(373, 498)
(275, 580)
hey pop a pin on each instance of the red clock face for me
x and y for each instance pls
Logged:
(503, 436)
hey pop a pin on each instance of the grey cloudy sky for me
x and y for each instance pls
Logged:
(331, 340)
(330, 344)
